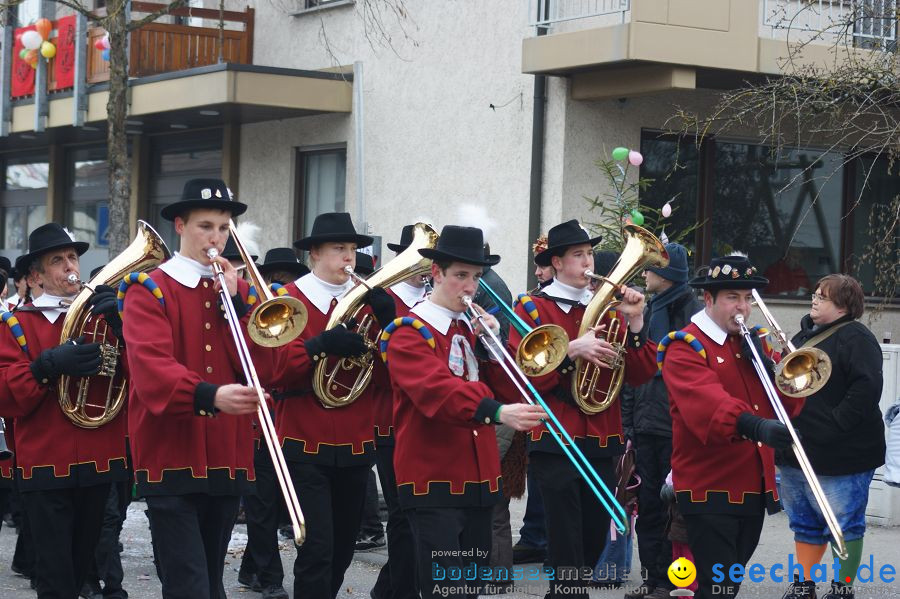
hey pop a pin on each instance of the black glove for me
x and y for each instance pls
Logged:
(382, 305)
(74, 358)
(104, 301)
(769, 431)
(767, 361)
(336, 342)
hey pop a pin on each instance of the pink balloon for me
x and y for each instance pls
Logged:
(105, 41)
(635, 158)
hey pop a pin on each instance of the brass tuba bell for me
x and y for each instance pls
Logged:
(338, 382)
(642, 250)
(145, 253)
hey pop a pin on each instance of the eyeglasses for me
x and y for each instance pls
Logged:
(818, 297)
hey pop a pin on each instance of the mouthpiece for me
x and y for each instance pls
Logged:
(589, 273)
(348, 269)
(72, 278)
(739, 319)
(466, 300)
(212, 253)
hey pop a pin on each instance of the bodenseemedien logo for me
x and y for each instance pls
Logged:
(682, 573)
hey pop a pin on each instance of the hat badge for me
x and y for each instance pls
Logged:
(206, 193)
(715, 272)
(726, 269)
(218, 193)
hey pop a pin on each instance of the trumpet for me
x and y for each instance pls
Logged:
(833, 525)
(559, 434)
(801, 372)
(262, 409)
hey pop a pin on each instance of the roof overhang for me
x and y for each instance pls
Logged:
(225, 93)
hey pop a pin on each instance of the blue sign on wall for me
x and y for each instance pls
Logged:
(102, 226)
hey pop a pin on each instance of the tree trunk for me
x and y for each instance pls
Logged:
(116, 138)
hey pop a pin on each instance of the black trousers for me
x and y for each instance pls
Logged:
(370, 525)
(721, 539)
(653, 461)
(451, 538)
(263, 509)
(190, 538)
(397, 578)
(576, 521)
(332, 502)
(65, 527)
(107, 561)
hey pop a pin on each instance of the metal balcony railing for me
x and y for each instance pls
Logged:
(543, 13)
(872, 23)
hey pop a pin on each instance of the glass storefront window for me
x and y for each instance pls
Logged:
(876, 186)
(673, 166)
(27, 175)
(324, 175)
(18, 222)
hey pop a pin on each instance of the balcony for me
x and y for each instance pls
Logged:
(169, 60)
(616, 48)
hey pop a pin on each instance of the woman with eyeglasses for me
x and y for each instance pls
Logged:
(842, 433)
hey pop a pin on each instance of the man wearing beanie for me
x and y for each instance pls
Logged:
(646, 420)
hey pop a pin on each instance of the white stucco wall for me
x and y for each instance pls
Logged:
(431, 140)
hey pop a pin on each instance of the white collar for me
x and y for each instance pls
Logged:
(409, 294)
(438, 316)
(708, 326)
(582, 295)
(52, 301)
(186, 271)
(320, 292)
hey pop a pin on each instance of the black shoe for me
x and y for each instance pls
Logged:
(526, 554)
(275, 591)
(370, 542)
(839, 590)
(251, 582)
(640, 592)
(801, 590)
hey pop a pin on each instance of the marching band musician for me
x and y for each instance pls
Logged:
(189, 417)
(397, 577)
(20, 280)
(576, 522)
(723, 426)
(63, 471)
(445, 454)
(329, 451)
(281, 266)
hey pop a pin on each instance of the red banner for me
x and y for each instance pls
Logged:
(65, 52)
(22, 73)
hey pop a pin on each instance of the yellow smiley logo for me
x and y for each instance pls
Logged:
(682, 572)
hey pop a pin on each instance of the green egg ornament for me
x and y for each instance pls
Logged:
(637, 218)
(620, 153)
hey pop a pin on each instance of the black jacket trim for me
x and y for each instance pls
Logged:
(204, 399)
(486, 410)
(183, 482)
(328, 455)
(43, 478)
(590, 446)
(718, 502)
(475, 494)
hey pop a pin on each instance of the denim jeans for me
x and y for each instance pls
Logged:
(614, 564)
(847, 494)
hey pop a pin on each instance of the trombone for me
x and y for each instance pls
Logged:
(262, 409)
(803, 371)
(542, 348)
(799, 453)
(573, 453)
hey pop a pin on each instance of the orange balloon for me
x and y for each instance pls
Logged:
(31, 56)
(43, 27)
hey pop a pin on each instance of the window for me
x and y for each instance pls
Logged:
(87, 208)
(786, 211)
(321, 186)
(174, 160)
(23, 200)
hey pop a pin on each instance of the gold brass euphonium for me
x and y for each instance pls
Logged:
(642, 250)
(276, 321)
(801, 372)
(145, 253)
(337, 381)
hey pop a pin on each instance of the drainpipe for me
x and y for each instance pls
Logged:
(535, 199)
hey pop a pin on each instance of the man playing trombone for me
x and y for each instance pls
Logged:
(447, 465)
(723, 425)
(189, 417)
(576, 524)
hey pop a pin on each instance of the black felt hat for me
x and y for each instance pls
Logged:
(561, 237)
(46, 238)
(333, 226)
(283, 259)
(230, 252)
(729, 272)
(6, 266)
(461, 244)
(365, 264)
(406, 238)
(204, 193)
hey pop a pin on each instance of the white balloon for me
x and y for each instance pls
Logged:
(667, 210)
(32, 40)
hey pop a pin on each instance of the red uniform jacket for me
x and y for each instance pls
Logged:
(51, 452)
(716, 470)
(171, 350)
(309, 431)
(384, 400)
(596, 435)
(445, 451)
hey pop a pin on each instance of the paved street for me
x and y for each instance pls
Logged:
(883, 544)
